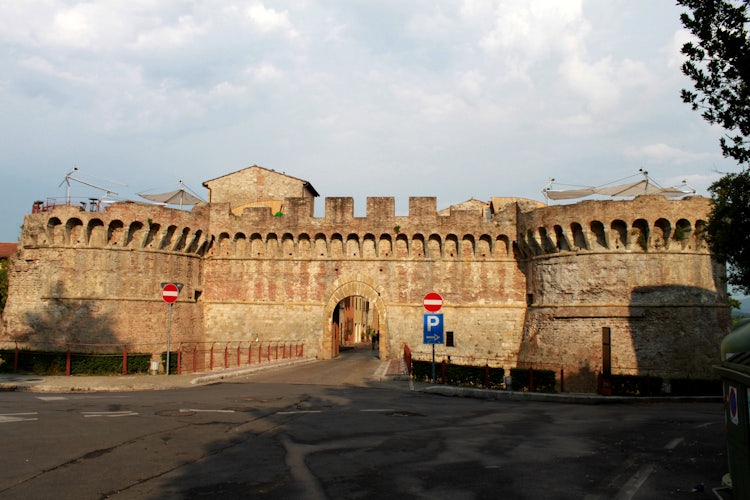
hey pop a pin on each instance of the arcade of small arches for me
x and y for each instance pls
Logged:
(617, 235)
(152, 236)
(663, 235)
(368, 246)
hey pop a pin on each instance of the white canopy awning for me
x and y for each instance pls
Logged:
(644, 186)
(179, 197)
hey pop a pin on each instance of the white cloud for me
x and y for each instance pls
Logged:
(269, 20)
(663, 153)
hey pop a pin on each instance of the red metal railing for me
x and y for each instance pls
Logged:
(191, 357)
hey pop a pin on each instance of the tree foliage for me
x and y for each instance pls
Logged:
(718, 63)
(730, 213)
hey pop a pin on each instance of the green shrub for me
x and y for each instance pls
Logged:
(695, 387)
(543, 380)
(460, 375)
(635, 385)
(54, 363)
(172, 362)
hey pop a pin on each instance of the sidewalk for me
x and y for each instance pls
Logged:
(393, 369)
(120, 383)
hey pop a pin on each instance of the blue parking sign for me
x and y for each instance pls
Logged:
(433, 329)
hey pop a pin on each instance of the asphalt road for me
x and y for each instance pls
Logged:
(327, 430)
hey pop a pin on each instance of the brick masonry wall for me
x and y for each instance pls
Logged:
(528, 286)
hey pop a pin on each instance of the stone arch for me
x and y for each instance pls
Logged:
(385, 246)
(321, 246)
(167, 237)
(95, 230)
(304, 246)
(135, 229)
(639, 235)
(662, 233)
(468, 247)
(619, 234)
(701, 227)
(195, 243)
(401, 251)
(451, 246)
(597, 228)
(182, 240)
(223, 245)
(240, 244)
(287, 245)
(548, 246)
(561, 240)
(683, 233)
(153, 231)
(115, 233)
(502, 246)
(74, 231)
(347, 286)
(337, 246)
(54, 231)
(579, 238)
(272, 245)
(352, 246)
(369, 246)
(257, 248)
(484, 246)
(417, 246)
(434, 247)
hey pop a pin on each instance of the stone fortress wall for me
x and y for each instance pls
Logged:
(525, 284)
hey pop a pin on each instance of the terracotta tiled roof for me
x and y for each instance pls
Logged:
(7, 249)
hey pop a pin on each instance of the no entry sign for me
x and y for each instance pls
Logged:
(433, 302)
(169, 292)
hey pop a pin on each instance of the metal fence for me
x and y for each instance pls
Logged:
(189, 357)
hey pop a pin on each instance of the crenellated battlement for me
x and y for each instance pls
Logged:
(645, 224)
(523, 283)
(126, 225)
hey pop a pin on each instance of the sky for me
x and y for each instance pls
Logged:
(451, 99)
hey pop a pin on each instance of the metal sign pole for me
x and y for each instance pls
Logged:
(169, 333)
(433, 363)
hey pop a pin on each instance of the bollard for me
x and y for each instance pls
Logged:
(195, 358)
(562, 379)
(67, 363)
(179, 360)
(124, 360)
(531, 379)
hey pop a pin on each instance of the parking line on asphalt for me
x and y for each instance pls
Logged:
(6, 418)
(108, 414)
(196, 410)
(631, 487)
(673, 443)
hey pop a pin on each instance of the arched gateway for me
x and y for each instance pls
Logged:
(342, 288)
(524, 284)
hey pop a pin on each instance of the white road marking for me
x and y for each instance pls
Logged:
(378, 410)
(16, 417)
(195, 410)
(108, 414)
(296, 412)
(631, 487)
(673, 443)
(52, 398)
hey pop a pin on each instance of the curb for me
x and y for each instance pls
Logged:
(569, 398)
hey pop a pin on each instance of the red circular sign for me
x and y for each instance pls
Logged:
(433, 302)
(169, 293)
